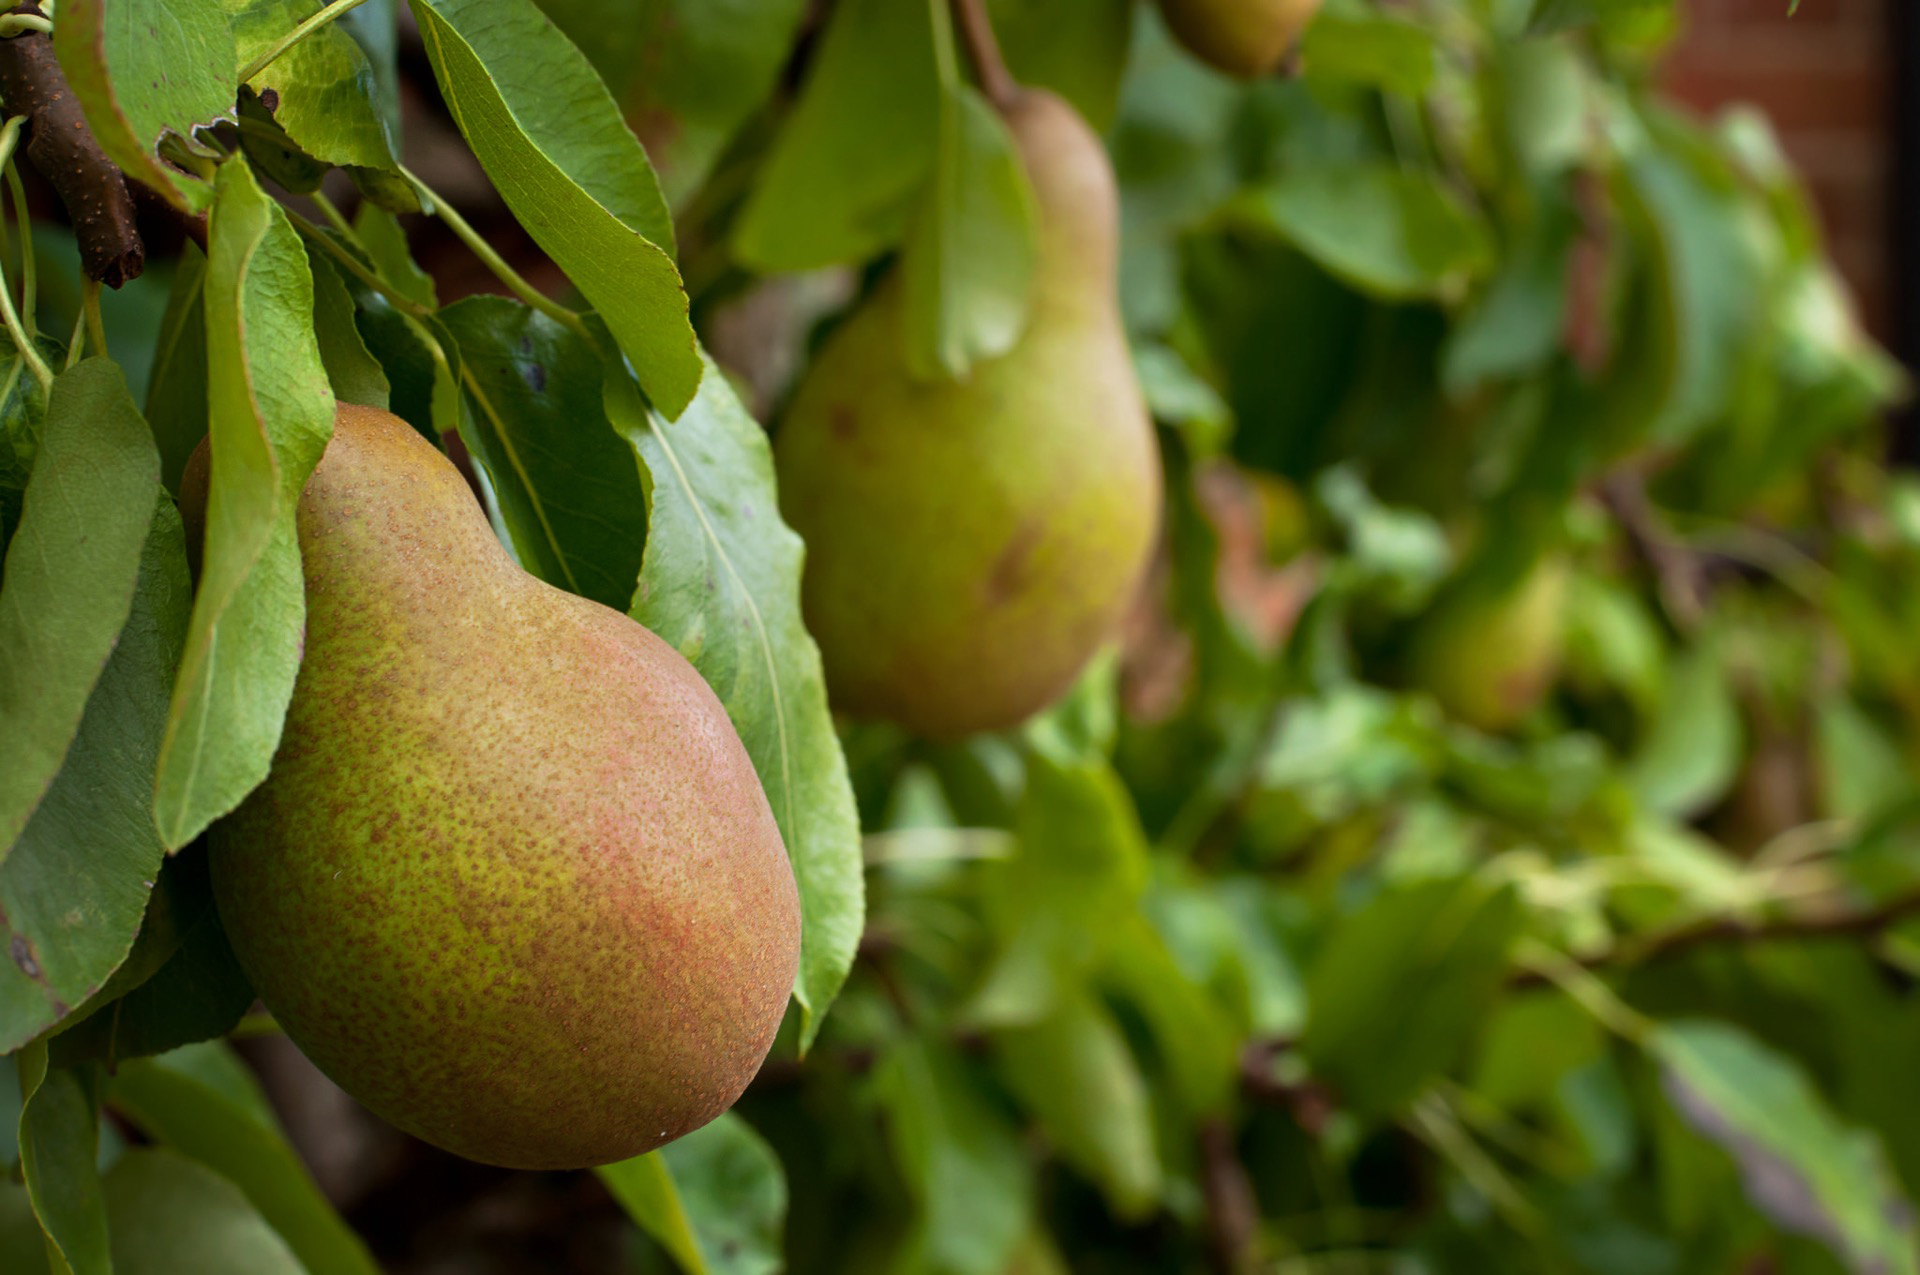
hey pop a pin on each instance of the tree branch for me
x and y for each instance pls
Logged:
(64, 150)
(1233, 1214)
(1684, 938)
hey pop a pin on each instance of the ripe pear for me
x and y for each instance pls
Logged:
(971, 543)
(512, 881)
(1246, 38)
(1492, 649)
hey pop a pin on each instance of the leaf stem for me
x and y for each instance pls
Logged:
(493, 261)
(90, 309)
(29, 282)
(9, 139)
(976, 32)
(296, 35)
(334, 216)
(1585, 989)
(351, 264)
(20, 23)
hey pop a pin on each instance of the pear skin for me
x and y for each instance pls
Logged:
(1244, 38)
(1490, 655)
(512, 882)
(971, 543)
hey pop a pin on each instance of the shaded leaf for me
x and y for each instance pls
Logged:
(969, 256)
(686, 72)
(355, 375)
(177, 385)
(716, 1199)
(1074, 1072)
(1801, 1166)
(180, 984)
(721, 583)
(1398, 987)
(74, 890)
(644, 1188)
(1077, 48)
(59, 1134)
(270, 415)
(1393, 233)
(1693, 750)
(70, 575)
(171, 1215)
(553, 142)
(960, 1161)
(568, 487)
(839, 183)
(201, 1101)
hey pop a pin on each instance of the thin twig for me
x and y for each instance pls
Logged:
(293, 37)
(1675, 569)
(494, 261)
(9, 139)
(1233, 1213)
(90, 310)
(351, 264)
(976, 32)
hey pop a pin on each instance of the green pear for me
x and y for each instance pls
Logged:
(512, 882)
(971, 543)
(1247, 38)
(1492, 648)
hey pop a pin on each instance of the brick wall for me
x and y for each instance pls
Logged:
(1825, 77)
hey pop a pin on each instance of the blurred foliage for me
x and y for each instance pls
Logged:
(1495, 845)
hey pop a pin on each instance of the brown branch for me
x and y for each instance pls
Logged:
(64, 150)
(1233, 1213)
(1680, 939)
(976, 32)
(1675, 568)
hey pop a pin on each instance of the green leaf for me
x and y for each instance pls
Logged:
(324, 85)
(270, 415)
(1082, 862)
(1398, 987)
(23, 1249)
(960, 1162)
(202, 1101)
(1074, 1072)
(177, 385)
(969, 255)
(687, 72)
(1692, 753)
(171, 1215)
(180, 984)
(716, 1199)
(1378, 49)
(645, 1189)
(1195, 1041)
(721, 582)
(840, 181)
(553, 142)
(74, 889)
(58, 1139)
(355, 375)
(1862, 772)
(70, 575)
(568, 487)
(1394, 233)
(143, 71)
(1806, 1170)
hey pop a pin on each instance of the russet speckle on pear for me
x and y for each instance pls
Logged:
(972, 542)
(513, 882)
(1244, 38)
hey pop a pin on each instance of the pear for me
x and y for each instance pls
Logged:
(512, 881)
(1246, 38)
(1492, 649)
(971, 543)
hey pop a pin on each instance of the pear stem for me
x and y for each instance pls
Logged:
(983, 49)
